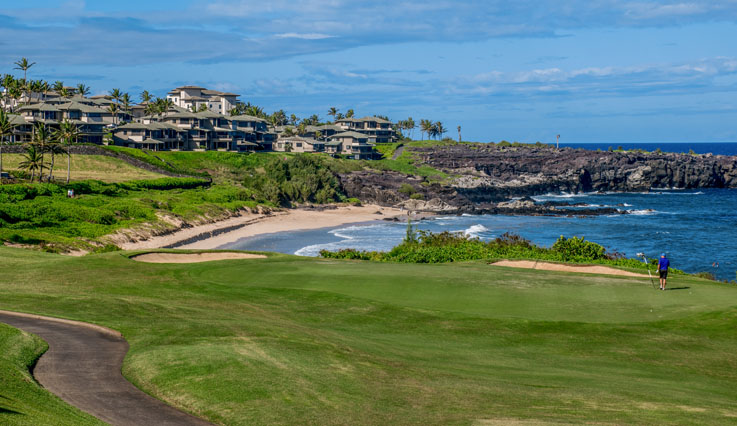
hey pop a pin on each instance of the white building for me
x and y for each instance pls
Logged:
(188, 96)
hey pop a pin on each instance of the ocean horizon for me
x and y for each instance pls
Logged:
(715, 148)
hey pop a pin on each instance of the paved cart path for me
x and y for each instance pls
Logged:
(82, 367)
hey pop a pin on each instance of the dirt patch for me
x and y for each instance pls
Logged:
(585, 269)
(193, 257)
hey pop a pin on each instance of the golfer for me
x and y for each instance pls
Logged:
(663, 265)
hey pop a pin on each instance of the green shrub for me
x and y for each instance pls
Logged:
(417, 196)
(407, 189)
(446, 246)
(575, 249)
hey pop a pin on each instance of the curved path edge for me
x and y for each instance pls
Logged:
(83, 367)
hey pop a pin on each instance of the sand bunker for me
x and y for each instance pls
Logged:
(585, 269)
(193, 257)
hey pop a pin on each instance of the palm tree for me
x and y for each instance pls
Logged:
(126, 102)
(302, 128)
(54, 148)
(339, 116)
(151, 109)
(459, 134)
(315, 119)
(425, 127)
(24, 65)
(113, 108)
(83, 90)
(333, 111)
(349, 113)
(32, 161)
(68, 132)
(293, 119)
(57, 86)
(116, 94)
(45, 87)
(410, 125)
(7, 83)
(6, 129)
(65, 93)
(439, 130)
(145, 97)
(41, 139)
(35, 86)
(279, 118)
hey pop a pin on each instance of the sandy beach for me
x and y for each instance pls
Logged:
(252, 224)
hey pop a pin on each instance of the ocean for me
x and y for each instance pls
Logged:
(716, 148)
(695, 228)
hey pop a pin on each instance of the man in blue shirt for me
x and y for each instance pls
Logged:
(663, 265)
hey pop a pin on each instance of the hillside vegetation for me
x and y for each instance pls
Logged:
(40, 213)
(288, 340)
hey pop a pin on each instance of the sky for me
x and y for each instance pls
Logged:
(522, 70)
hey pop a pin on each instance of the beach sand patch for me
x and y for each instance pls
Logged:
(193, 257)
(585, 269)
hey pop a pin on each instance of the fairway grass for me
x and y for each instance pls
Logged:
(290, 340)
(96, 167)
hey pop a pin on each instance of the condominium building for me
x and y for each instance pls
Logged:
(350, 143)
(89, 116)
(200, 131)
(376, 129)
(298, 144)
(193, 97)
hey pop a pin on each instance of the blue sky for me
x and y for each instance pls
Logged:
(590, 70)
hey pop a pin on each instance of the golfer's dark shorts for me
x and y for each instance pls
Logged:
(664, 273)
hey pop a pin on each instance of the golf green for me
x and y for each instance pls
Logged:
(288, 340)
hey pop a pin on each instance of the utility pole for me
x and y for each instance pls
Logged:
(557, 139)
(459, 134)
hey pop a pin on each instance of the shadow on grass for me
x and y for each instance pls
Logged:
(678, 288)
(4, 410)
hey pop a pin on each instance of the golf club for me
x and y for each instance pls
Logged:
(644, 259)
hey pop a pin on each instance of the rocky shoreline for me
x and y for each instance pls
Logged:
(489, 179)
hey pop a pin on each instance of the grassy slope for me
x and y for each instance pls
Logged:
(22, 401)
(295, 340)
(98, 167)
(62, 224)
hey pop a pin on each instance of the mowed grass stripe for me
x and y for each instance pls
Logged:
(97, 167)
(291, 340)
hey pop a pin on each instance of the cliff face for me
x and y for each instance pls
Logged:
(487, 175)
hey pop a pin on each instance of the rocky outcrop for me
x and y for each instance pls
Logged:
(517, 171)
(486, 177)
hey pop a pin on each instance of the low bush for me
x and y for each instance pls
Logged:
(443, 247)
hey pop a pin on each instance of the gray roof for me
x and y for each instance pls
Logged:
(182, 114)
(134, 126)
(376, 119)
(300, 139)
(16, 120)
(210, 114)
(76, 106)
(246, 117)
(354, 135)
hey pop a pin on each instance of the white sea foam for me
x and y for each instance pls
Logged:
(345, 233)
(645, 212)
(476, 230)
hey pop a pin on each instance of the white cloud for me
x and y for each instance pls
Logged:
(307, 36)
